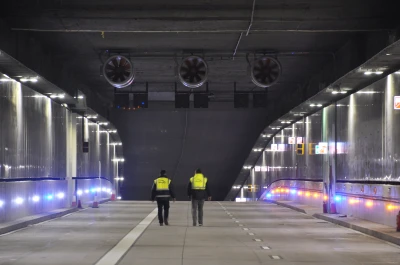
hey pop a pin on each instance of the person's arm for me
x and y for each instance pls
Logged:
(171, 191)
(153, 192)
(208, 191)
(189, 189)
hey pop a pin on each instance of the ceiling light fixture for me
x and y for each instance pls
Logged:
(29, 79)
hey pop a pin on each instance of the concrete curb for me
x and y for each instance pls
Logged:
(288, 206)
(35, 220)
(374, 233)
(32, 220)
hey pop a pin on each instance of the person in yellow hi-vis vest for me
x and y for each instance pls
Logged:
(162, 190)
(198, 190)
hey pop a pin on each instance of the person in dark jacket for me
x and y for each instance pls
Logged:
(162, 190)
(198, 190)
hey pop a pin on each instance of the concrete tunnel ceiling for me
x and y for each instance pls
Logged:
(304, 36)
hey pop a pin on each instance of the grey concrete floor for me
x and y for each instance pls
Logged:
(295, 238)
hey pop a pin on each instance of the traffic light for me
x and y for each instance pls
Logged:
(300, 149)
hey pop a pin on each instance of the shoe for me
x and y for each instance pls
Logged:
(200, 224)
(161, 224)
(194, 224)
(166, 222)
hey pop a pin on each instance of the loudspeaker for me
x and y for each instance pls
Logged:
(140, 100)
(182, 100)
(200, 100)
(241, 100)
(260, 100)
(121, 101)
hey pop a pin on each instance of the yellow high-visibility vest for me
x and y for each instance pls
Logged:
(162, 183)
(198, 182)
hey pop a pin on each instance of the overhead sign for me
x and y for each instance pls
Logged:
(274, 147)
(292, 140)
(396, 102)
(299, 140)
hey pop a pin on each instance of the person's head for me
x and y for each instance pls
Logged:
(163, 172)
(198, 171)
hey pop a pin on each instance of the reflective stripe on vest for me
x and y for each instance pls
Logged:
(162, 183)
(198, 182)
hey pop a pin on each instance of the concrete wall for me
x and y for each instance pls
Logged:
(180, 141)
(41, 153)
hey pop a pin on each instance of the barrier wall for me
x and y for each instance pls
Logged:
(41, 152)
(374, 202)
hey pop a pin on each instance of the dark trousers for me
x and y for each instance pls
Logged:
(197, 207)
(163, 203)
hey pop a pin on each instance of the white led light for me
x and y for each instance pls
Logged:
(35, 198)
(319, 105)
(343, 92)
(60, 195)
(1, 203)
(19, 200)
(86, 191)
(378, 72)
(368, 73)
(103, 189)
(335, 92)
(98, 189)
(119, 197)
(30, 79)
(312, 105)
(80, 97)
(79, 192)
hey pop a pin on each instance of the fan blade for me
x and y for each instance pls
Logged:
(256, 68)
(188, 64)
(197, 77)
(185, 76)
(114, 62)
(110, 67)
(258, 75)
(261, 63)
(203, 73)
(201, 65)
(183, 72)
(270, 79)
(267, 63)
(184, 68)
(195, 62)
(191, 79)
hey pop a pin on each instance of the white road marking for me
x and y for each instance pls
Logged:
(257, 240)
(265, 247)
(251, 234)
(116, 253)
(275, 257)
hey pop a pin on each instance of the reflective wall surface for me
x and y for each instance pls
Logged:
(32, 134)
(356, 138)
(42, 140)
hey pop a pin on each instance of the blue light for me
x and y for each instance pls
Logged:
(337, 198)
(49, 197)
(269, 195)
(93, 190)
(293, 191)
(142, 103)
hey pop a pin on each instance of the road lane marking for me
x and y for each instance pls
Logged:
(113, 256)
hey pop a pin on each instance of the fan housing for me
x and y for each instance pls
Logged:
(265, 71)
(118, 71)
(193, 71)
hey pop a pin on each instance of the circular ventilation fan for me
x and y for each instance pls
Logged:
(118, 71)
(265, 71)
(193, 71)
